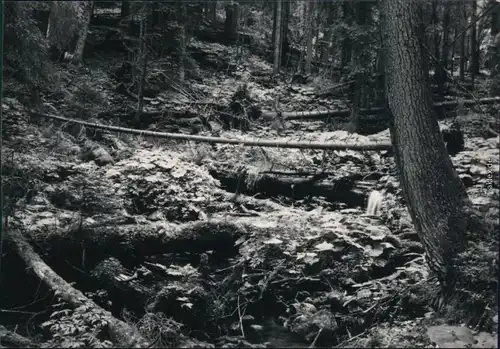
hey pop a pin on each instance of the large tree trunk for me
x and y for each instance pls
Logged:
(436, 197)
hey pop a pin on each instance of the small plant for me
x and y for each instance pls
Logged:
(79, 328)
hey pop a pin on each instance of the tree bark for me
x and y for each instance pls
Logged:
(284, 31)
(183, 43)
(445, 50)
(309, 36)
(86, 7)
(361, 61)
(435, 195)
(143, 53)
(346, 41)
(231, 24)
(327, 40)
(277, 43)
(437, 38)
(494, 48)
(463, 20)
(473, 43)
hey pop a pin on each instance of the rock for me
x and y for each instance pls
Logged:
(97, 153)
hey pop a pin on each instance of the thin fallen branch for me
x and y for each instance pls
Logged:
(119, 331)
(244, 142)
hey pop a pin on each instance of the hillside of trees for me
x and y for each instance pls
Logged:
(253, 174)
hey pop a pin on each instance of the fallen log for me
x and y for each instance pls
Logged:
(324, 114)
(14, 340)
(336, 189)
(130, 243)
(213, 140)
(119, 331)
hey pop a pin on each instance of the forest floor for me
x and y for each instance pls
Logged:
(221, 245)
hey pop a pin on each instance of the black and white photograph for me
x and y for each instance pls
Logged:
(250, 174)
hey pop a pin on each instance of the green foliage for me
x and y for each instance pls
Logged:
(25, 48)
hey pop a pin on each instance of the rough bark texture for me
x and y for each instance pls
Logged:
(436, 197)
(277, 43)
(87, 9)
(309, 35)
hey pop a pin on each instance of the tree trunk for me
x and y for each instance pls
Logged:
(309, 35)
(360, 60)
(435, 195)
(327, 39)
(183, 44)
(155, 14)
(463, 11)
(213, 12)
(231, 24)
(346, 41)
(277, 43)
(473, 42)
(437, 38)
(445, 50)
(86, 7)
(284, 31)
(143, 53)
(125, 9)
(494, 49)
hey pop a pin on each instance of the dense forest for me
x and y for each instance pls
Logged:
(242, 173)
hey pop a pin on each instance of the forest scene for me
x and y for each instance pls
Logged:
(250, 174)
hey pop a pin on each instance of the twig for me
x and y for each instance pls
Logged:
(241, 318)
(313, 344)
